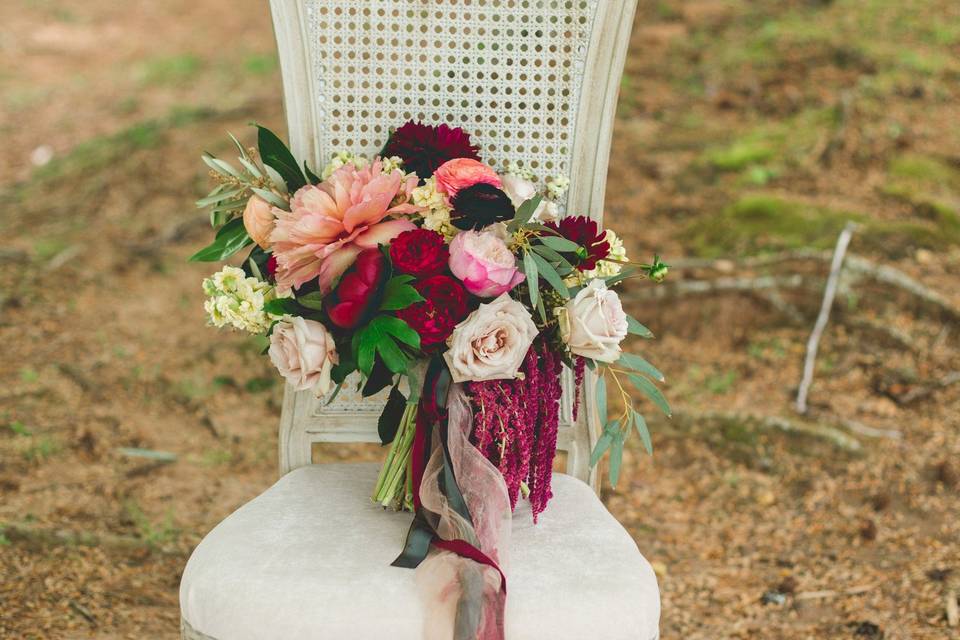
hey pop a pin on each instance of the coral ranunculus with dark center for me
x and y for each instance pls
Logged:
(444, 306)
(586, 233)
(479, 206)
(423, 148)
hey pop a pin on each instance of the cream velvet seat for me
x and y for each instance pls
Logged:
(309, 559)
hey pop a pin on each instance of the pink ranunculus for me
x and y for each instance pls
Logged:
(460, 173)
(329, 224)
(258, 220)
(483, 262)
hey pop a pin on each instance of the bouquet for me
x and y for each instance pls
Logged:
(423, 264)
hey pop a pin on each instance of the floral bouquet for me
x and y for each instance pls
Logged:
(425, 264)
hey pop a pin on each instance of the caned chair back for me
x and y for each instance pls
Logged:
(535, 81)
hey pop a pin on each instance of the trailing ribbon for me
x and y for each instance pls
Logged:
(463, 512)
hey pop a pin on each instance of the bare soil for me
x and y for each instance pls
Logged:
(744, 129)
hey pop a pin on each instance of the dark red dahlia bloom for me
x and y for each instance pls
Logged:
(419, 252)
(423, 147)
(445, 305)
(271, 265)
(586, 233)
(479, 206)
(359, 290)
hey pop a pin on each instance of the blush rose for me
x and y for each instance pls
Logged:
(593, 323)
(303, 351)
(492, 342)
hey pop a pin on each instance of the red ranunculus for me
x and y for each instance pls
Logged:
(586, 233)
(358, 291)
(444, 307)
(419, 252)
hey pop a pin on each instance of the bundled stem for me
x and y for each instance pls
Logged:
(394, 485)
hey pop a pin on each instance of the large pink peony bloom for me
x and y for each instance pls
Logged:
(330, 223)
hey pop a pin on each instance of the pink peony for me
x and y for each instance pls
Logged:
(483, 262)
(329, 224)
(258, 220)
(460, 173)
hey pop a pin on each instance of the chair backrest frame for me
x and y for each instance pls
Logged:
(599, 48)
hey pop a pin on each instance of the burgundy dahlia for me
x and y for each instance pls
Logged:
(586, 233)
(424, 147)
(479, 206)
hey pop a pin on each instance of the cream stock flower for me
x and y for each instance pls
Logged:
(237, 300)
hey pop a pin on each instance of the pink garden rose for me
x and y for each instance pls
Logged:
(258, 220)
(483, 262)
(460, 173)
(329, 224)
(304, 353)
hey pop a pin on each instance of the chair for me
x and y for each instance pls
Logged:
(533, 80)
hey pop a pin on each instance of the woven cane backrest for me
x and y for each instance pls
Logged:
(533, 81)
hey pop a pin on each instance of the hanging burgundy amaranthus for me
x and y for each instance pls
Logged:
(515, 425)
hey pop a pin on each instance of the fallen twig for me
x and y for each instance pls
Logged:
(819, 430)
(953, 611)
(83, 611)
(686, 287)
(49, 537)
(918, 392)
(823, 317)
(871, 432)
(832, 593)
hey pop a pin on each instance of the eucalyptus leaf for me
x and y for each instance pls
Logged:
(650, 390)
(601, 392)
(603, 443)
(217, 195)
(641, 425)
(638, 329)
(559, 244)
(252, 168)
(616, 458)
(637, 363)
(533, 277)
(225, 167)
(550, 275)
(240, 149)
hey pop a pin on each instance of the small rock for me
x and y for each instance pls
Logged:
(924, 256)
(867, 629)
(773, 597)
(41, 155)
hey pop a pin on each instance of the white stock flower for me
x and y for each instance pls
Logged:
(557, 187)
(593, 323)
(237, 300)
(492, 342)
(303, 351)
(436, 209)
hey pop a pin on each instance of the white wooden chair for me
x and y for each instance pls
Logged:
(534, 80)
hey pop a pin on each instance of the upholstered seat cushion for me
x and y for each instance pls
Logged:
(310, 558)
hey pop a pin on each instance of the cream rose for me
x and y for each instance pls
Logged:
(492, 342)
(520, 190)
(593, 324)
(259, 221)
(303, 352)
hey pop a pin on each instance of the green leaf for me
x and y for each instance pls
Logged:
(336, 392)
(616, 458)
(392, 356)
(311, 176)
(533, 278)
(399, 294)
(637, 363)
(230, 238)
(526, 210)
(603, 443)
(650, 390)
(270, 197)
(216, 196)
(389, 420)
(559, 244)
(641, 425)
(275, 154)
(366, 352)
(281, 306)
(550, 275)
(638, 329)
(601, 397)
(312, 300)
(398, 329)
(549, 254)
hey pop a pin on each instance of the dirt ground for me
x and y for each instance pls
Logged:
(745, 129)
